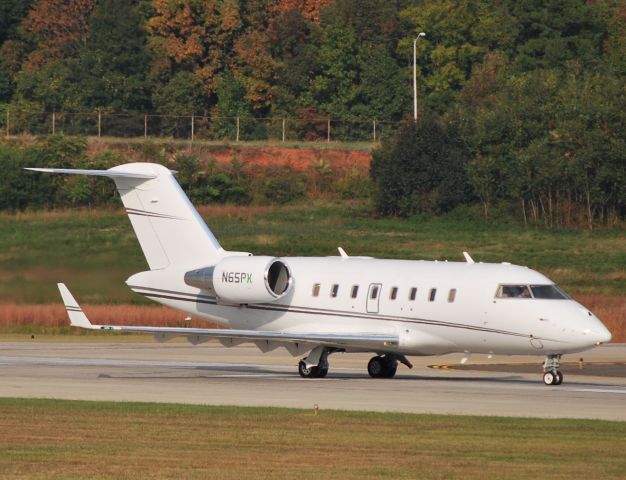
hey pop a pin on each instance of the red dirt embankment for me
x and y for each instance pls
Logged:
(252, 157)
(296, 158)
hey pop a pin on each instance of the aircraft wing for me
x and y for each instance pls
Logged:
(198, 335)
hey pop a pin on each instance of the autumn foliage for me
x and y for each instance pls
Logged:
(59, 28)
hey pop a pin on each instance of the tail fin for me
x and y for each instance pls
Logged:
(168, 227)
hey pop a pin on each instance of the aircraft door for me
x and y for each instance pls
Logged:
(373, 297)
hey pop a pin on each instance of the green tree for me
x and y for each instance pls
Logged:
(458, 35)
(293, 42)
(232, 103)
(11, 14)
(421, 169)
(335, 89)
(180, 96)
(113, 66)
(549, 34)
(374, 22)
(52, 87)
(547, 142)
(20, 189)
(384, 94)
(616, 40)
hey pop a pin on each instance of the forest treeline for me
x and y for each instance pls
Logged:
(533, 92)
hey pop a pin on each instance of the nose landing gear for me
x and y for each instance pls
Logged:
(552, 375)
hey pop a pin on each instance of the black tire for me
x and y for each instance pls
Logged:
(390, 369)
(322, 372)
(376, 367)
(559, 378)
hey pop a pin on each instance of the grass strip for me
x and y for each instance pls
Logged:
(75, 439)
(96, 251)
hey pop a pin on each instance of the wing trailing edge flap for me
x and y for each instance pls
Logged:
(293, 341)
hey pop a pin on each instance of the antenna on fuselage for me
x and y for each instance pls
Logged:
(342, 252)
(468, 259)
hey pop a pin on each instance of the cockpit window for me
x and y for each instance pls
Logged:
(513, 291)
(531, 291)
(548, 291)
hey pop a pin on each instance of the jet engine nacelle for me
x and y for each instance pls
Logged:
(244, 279)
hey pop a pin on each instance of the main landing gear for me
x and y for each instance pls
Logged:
(382, 366)
(552, 375)
(316, 364)
(313, 371)
(385, 366)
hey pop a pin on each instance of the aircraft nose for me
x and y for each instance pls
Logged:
(601, 335)
(595, 330)
(598, 334)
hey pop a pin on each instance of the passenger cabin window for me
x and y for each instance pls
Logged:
(413, 294)
(394, 293)
(355, 291)
(374, 293)
(316, 290)
(334, 290)
(432, 294)
(451, 295)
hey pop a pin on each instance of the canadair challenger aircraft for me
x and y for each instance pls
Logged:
(318, 306)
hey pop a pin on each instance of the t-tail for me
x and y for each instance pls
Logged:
(168, 227)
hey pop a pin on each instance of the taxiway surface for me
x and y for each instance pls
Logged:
(210, 374)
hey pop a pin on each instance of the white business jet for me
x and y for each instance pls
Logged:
(316, 306)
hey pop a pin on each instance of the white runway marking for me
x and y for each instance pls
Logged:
(599, 390)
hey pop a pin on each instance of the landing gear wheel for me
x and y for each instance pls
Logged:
(548, 378)
(318, 361)
(390, 370)
(553, 377)
(559, 378)
(308, 372)
(382, 367)
(376, 367)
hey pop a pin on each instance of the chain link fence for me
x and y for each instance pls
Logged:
(195, 127)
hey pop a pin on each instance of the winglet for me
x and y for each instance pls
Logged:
(77, 317)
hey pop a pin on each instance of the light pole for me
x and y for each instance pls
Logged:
(421, 34)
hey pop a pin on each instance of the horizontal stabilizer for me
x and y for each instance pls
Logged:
(97, 173)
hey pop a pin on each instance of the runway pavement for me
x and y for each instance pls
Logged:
(209, 374)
